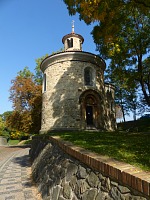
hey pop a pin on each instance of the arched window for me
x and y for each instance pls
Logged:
(88, 76)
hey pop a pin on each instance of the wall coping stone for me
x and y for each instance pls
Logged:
(124, 173)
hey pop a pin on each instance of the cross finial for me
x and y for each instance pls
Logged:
(72, 26)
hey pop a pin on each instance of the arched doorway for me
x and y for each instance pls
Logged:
(90, 109)
(90, 103)
(89, 115)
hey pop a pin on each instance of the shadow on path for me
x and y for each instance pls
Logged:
(23, 161)
(19, 146)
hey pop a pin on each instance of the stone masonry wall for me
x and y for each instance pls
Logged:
(59, 176)
(65, 83)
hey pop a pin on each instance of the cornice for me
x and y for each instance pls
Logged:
(72, 56)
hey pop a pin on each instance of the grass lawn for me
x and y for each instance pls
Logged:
(13, 142)
(133, 148)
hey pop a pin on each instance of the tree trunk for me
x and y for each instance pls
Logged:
(141, 80)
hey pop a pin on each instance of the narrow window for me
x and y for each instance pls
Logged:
(70, 42)
(44, 82)
(80, 44)
(88, 77)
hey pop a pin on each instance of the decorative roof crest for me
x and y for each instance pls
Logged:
(73, 26)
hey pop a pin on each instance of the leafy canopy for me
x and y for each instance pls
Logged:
(26, 96)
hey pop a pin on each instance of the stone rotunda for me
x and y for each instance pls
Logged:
(75, 96)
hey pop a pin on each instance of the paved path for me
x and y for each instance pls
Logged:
(15, 174)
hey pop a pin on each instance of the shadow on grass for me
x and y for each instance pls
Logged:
(132, 148)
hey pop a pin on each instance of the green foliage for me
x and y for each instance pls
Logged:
(3, 130)
(133, 43)
(110, 13)
(25, 73)
(38, 73)
(5, 115)
(59, 51)
(26, 96)
(2, 125)
(125, 89)
(5, 133)
(16, 135)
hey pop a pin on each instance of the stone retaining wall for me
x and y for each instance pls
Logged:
(65, 172)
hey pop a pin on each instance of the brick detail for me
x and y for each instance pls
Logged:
(119, 171)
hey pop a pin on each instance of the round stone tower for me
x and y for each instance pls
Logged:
(74, 94)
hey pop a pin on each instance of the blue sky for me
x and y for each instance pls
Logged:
(29, 29)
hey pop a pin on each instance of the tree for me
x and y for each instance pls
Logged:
(5, 115)
(128, 50)
(2, 125)
(26, 96)
(143, 107)
(105, 11)
(4, 131)
(112, 14)
(38, 77)
(125, 88)
(25, 73)
(121, 33)
(38, 73)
